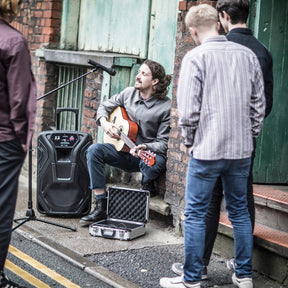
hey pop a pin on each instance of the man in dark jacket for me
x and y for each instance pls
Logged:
(17, 116)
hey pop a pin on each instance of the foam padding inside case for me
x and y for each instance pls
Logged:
(127, 204)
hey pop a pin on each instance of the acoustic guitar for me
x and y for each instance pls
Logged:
(127, 131)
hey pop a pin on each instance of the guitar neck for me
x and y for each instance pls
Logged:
(127, 140)
(147, 156)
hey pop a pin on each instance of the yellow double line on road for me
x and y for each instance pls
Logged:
(38, 266)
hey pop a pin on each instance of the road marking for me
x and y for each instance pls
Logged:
(42, 268)
(25, 275)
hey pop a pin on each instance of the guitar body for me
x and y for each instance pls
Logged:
(121, 119)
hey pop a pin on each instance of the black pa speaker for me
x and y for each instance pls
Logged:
(62, 174)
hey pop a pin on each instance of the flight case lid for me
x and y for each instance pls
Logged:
(128, 204)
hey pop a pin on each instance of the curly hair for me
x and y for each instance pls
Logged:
(9, 9)
(158, 72)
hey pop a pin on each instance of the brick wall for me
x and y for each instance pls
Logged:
(92, 98)
(177, 155)
(39, 21)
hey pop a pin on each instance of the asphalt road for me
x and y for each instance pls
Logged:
(143, 267)
(140, 266)
(47, 268)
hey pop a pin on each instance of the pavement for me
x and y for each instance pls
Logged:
(138, 263)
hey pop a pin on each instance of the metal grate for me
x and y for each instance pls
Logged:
(70, 96)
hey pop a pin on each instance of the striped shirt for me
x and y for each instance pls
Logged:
(220, 100)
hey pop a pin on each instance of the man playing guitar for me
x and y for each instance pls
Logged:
(147, 105)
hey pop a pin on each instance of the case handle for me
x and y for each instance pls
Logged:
(107, 233)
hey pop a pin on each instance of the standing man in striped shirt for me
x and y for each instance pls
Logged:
(233, 15)
(221, 103)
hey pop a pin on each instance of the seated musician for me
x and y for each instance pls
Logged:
(148, 106)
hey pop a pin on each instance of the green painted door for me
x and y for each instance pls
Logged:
(271, 28)
(163, 29)
(163, 33)
(106, 25)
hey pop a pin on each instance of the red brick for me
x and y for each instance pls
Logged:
(182, 5)
(89, 113)
(38, 14)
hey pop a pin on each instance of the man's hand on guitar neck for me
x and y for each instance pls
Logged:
(135, 151)
(109, 128)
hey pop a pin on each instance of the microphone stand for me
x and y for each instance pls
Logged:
(30, 213)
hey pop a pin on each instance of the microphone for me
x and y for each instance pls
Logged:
(110, 71)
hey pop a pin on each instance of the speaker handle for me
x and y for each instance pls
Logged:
(60, 110)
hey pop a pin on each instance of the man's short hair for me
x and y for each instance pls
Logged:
(238, 10)
(201, 16)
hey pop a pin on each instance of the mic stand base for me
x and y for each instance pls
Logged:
(30, 215)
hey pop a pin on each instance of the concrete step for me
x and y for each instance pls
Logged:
(271, 206)
(157, 204)
(274, 240)
(270, 254)
(271, 197)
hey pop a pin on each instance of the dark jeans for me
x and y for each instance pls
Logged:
(213, 214)
(100, 154)
(11, 160)
(200, 182)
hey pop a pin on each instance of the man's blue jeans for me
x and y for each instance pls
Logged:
(200, 181)
(100, 154)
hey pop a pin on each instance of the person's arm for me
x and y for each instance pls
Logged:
(258, 102)
(19, 79)
(268, 82)
(189, 100)
(107, 107)
(109, 128)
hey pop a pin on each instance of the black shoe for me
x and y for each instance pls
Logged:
(150, 187)
(99, 213)
(5, 283)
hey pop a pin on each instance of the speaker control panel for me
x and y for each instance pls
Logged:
(62, 140)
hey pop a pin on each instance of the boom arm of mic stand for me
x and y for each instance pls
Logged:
(65, 84)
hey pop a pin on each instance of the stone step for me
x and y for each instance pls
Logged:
(271, 207)
(157, 204)
(270, 254)
(272, 239)
(271, 197)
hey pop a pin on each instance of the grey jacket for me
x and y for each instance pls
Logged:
(152, 117)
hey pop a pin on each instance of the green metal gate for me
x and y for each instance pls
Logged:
(271, 28)
(70, 96)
